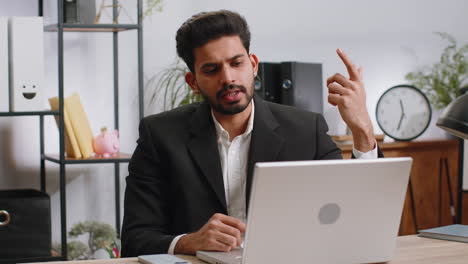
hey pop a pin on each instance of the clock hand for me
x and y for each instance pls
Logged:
(399, 123)
(402, 108)
(402, 114)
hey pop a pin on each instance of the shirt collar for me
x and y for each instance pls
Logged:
(221, 132)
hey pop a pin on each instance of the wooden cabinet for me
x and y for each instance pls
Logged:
(429, 182)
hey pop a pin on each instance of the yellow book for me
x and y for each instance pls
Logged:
(79, 122)
(71, 145)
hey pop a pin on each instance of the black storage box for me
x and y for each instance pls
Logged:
(24, 224)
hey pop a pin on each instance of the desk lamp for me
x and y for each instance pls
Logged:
(454, 120)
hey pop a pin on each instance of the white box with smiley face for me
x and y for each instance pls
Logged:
(26, 64)
(4, 78)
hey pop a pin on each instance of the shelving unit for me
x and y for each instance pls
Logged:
(60, 28)
(60, 159)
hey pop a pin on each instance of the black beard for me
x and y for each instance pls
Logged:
(234, 107)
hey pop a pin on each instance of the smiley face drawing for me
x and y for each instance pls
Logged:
(29, 91)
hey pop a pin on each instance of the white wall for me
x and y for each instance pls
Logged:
(388, 38)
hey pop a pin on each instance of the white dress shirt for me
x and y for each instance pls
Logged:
(234, 159)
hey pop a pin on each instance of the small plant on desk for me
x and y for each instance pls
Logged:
(101, 237)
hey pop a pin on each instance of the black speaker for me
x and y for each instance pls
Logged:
(79, 11)
(268, 82)
(302, 85)
(71, 11)
(24, 224)
(87, 11)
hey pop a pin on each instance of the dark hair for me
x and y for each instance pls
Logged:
(206, 26)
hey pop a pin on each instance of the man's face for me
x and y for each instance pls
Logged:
(224, 75)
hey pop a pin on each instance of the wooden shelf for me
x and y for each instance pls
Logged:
(38, 113)
(121, 157)
(92, 27)
(415, 144)
(348, 139)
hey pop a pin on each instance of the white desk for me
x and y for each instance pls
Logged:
(410, 250)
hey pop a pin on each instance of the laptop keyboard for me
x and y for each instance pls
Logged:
(234, 255)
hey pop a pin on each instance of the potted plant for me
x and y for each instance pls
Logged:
(168, 87)
(443, 81)
(102, 241)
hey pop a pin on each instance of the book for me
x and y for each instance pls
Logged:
(80, 124)
(452, 232)
(71, 145)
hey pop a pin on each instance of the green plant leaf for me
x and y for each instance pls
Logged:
(77, 250)
(169, 86)
(153, 6)
(443, 80)
(100, 235)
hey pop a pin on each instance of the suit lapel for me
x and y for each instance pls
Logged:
(204, 150)
(265, 143)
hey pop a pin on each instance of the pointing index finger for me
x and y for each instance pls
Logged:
(352, 71)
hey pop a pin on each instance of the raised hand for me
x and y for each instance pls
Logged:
(349, 95)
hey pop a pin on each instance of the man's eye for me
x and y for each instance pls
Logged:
(237, 63)
(210, 70)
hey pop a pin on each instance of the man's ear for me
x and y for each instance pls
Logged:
(192, 82)
(254, 61)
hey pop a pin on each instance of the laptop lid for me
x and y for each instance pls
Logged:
(333, 211)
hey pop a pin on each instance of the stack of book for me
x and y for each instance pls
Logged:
(78, 133)
(452, 232)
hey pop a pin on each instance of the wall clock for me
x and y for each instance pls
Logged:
(403, 112)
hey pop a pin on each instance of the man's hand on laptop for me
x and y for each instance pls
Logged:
(220, 233)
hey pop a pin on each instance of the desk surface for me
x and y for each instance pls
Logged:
(410, 249)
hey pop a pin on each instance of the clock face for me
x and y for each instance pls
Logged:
(403, 112)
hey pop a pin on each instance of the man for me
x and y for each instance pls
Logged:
(191, 173)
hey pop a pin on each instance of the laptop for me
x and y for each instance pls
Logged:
(331, 211)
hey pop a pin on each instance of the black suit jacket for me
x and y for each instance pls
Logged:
(175, 181)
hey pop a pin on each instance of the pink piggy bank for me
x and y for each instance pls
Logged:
(107, 143)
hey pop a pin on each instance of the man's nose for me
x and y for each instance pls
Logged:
(227, 76)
